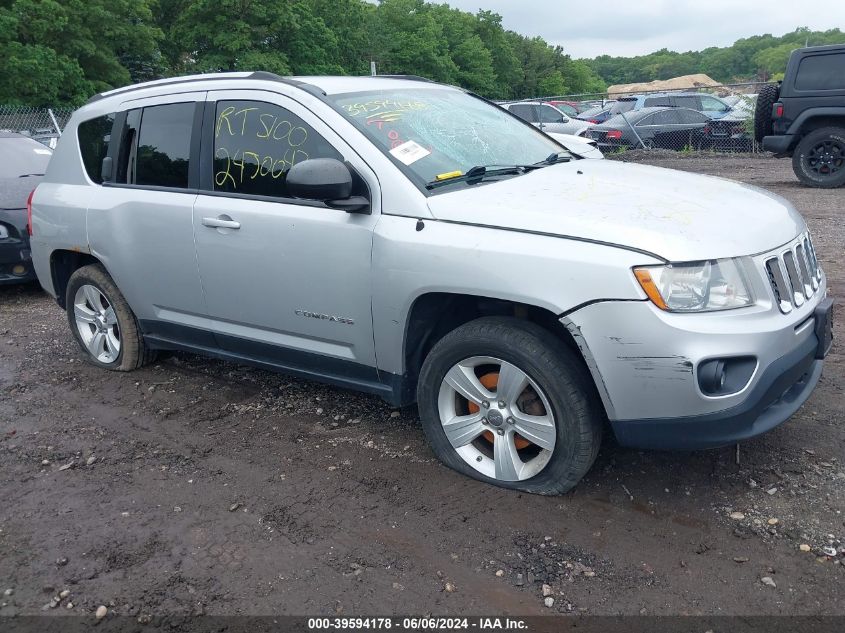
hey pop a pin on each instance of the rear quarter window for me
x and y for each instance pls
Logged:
(821, 72)
(94, 136)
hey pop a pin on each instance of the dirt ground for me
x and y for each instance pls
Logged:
(195, 486)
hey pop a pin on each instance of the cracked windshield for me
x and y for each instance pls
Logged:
(440, 134)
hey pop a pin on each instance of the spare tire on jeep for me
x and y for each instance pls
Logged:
(763, 111)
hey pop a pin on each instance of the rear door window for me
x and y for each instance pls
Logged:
(712, 104)
(525, 112)
(550, 114)
(155, 146)
(821, 72)
(94, 136)
(687, 101)
(164, 145)
(669, 116)
(657, 102)
(624, 105)
(692, 117)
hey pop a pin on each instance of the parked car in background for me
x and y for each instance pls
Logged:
(742, 106)
(599, 114)
(804, 117)
(570, 108)
(729, 134)
(547, 117)
(667, 128)
(582, 146)
(23, 162)
(712, 106)
(46, 136)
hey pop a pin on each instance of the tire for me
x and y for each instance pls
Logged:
(819, 158)
(101, 320)
(569, 437)
(763, 111)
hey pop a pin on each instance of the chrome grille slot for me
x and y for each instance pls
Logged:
(794, 278)
(780, 285)
(811, 252)
(808, 278)
(794, 274)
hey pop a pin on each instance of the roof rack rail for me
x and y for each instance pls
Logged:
(258, 74)
(408, 77)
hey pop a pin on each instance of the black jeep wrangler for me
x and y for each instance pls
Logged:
(804, 116)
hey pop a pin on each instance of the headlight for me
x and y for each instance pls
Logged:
(717, 284)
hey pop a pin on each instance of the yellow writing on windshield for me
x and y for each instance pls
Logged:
(385, 107)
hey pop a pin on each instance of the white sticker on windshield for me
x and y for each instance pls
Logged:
(42, 151)
(409, 152)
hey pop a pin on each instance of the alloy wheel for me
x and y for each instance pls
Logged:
(497, 418)
(96, 323)
(827, 158)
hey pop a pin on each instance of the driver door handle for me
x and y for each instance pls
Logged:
(221, 222)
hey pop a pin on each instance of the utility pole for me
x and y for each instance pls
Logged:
(373, 69)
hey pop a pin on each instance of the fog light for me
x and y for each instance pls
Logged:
(724, 376)
(19, 270)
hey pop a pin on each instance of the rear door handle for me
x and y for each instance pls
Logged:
(221, 222)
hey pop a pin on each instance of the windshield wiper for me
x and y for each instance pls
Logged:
(28, 175)
(478, 173)
(551, 159)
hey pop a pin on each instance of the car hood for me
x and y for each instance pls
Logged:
(675, 215)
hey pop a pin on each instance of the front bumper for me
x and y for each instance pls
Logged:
(647, 366)
(781, 390)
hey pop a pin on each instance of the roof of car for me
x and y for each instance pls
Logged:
(322, 85)
(821, 49)
(642, 112)
(650, 95)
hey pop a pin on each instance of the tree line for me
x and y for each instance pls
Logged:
(758, 58)
(60, 52)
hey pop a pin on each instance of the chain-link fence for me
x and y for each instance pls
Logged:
(43, 124)
(714, 118)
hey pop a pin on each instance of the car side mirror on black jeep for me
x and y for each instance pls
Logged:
(327, 180)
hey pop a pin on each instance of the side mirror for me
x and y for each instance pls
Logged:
(327, 180)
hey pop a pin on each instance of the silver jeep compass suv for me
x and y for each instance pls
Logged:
(414, 241)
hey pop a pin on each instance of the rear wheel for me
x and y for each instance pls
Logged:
(504, 401)
(819, 158)
(763, 111)
(102, 322)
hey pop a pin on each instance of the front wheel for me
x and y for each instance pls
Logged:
(506, 402)
(819, 158)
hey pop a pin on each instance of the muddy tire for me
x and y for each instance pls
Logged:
(763, 111)
(102, 322)
(819, 158)
(504, 401)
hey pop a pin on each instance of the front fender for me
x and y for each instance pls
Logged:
(548, 272)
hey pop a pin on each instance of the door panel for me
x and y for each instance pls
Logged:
(144, 234)
(281, 276)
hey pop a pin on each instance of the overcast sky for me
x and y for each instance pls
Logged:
(632, 27)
